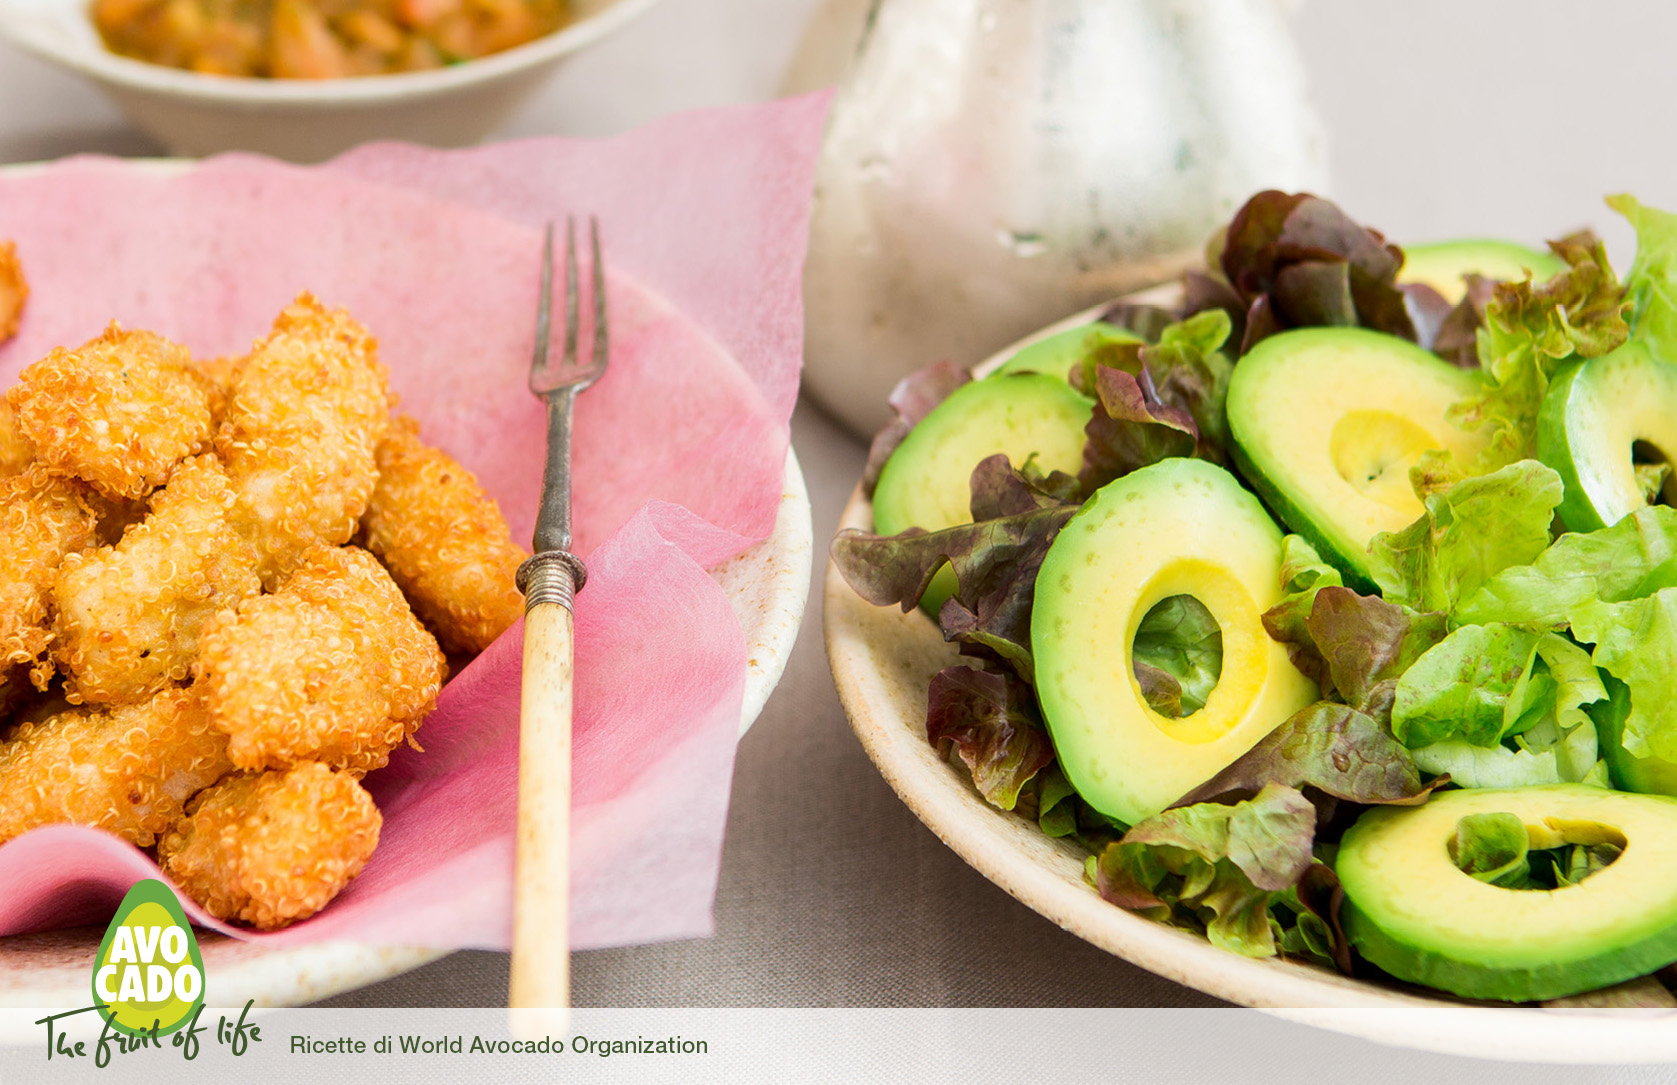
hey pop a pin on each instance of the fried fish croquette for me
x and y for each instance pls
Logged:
(272, 848)
(128, 616)
(307, 408)
(333, 667)
(128, 770)
(16, 450)
(217, 376)
(444, 541)
(117, 412)
(14, 290)
(42, 520)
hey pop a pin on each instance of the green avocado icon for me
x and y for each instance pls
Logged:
(148, 977)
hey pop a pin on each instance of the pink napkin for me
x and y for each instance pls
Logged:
(678, 462)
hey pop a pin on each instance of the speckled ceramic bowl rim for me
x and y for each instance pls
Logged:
(88, 57)
(882, 660)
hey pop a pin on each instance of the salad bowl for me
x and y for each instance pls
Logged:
(883, 661)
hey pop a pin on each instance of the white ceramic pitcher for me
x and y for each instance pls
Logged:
(992, 165)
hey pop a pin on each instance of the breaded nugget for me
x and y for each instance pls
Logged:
(42, 519)
(117, 412)
(128, 616)
(444, 541)
(16, 450)
(129, 770)
(308, 406)
(14, 290)
(272, 848)
(333, 667)
(217, 376)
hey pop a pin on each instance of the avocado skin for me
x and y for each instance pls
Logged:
(1352, 569)
(1535, 984)
(1555, 450)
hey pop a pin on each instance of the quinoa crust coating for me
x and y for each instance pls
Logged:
(117, 412)
(444, 541)
(129, 615)
(16, 451)
(42, 519)
(275, 847)
(306, 409)
(128, 771)
(333, 667)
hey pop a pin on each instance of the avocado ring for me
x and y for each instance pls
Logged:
(1411, 911)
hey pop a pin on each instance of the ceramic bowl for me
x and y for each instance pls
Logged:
(306, 120)
(883, 661)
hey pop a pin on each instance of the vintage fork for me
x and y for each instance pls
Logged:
(549, 580)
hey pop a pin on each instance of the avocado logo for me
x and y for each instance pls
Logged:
(149, 976)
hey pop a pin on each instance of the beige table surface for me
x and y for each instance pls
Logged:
(1445, 118)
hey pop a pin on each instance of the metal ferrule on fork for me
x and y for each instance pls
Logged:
(552, 576)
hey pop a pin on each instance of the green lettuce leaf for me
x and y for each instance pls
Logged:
(1533, 329)
(1214, 868)
(1499, 848)
(1636, 642)
(1632, 558)
(1368, 643)
(1331, 747)
(1056, 805)
(1651, 284)
(1470, 686)
(1472, 530)
(1492, 848)
(1155, 400)
(1178, 651)
(1308, 915)
(991, 721)
(1551, 737)
(1303, 574)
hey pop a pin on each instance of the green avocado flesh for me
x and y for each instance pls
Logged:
(1598, 417)
(1056, 354)
(1178, 527)
(927, 481)
(1443, 264)
(1327, 423)
(1411, 911)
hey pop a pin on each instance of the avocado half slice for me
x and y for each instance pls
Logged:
(1444, 265)
(1411, 911)
(927, 481)
(1177, 527)
(1327, 423)
(1056, 354)
(1598, 418)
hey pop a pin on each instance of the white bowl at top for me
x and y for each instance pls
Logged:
(306, 120)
